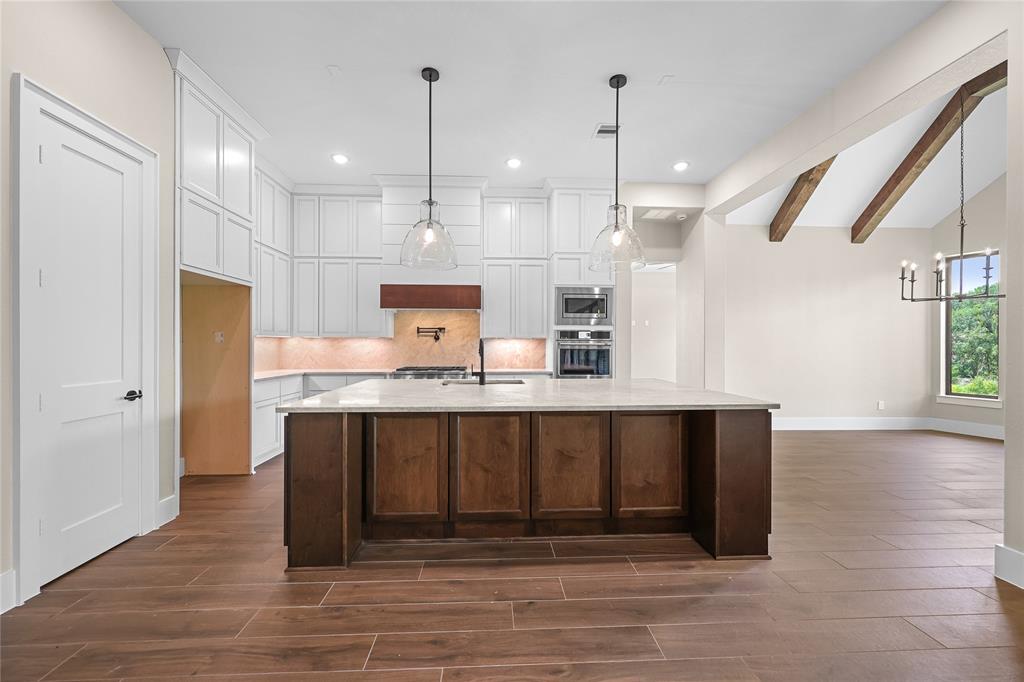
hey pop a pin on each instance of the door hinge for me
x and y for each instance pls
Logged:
(40, 277)
(40, 402)
(40, 154)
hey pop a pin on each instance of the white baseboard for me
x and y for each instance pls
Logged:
(181, 467)
(8, 591)
(887, 424)
(167, 510)
(1010, 565)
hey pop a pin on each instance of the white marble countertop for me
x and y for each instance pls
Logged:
(534, 395)
(278, 373)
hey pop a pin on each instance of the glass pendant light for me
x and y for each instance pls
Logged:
(428, 245)
(618, 246)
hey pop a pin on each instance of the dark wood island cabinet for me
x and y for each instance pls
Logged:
(696, 462)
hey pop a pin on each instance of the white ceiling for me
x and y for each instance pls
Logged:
(524, 79)
(858, 173)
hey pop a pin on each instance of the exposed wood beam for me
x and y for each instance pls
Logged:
(795, 201)
(934, 138)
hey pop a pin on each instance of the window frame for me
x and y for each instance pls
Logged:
(947, 378)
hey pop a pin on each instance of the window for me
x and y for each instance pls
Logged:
(972, 329)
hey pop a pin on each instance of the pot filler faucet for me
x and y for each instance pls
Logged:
(482, 374)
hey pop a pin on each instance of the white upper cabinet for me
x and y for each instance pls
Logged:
(335, 227)
(370, 320)
(306, 297)
(305, 226)
(265, 220)
(595, 215)
(574, 270)
(368, 228)
(515, 299)
(273, 293)
(201, 127)
(336, 314)
(201, 233)
(282, 294)
(275, 213)
(239, 182)
(579, 215)
(515, 228)
(237, 247)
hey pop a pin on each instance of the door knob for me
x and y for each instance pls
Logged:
(132, 395)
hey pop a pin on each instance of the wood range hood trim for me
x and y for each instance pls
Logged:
(430, 296)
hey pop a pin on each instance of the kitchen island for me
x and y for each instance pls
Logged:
(387, 460)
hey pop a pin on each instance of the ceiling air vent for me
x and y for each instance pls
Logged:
(604, 131)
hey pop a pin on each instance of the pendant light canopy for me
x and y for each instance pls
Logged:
(618, 246)
(428, 245)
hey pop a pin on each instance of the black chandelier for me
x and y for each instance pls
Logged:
(940, 265)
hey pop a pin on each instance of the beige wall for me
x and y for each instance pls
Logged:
(93, 55)
(816, 323)
(986, 226)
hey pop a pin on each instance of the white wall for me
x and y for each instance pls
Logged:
(816, 323)
(654, 325)
(986, 226)
(93, 55)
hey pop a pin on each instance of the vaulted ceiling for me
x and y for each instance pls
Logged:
(708, 80)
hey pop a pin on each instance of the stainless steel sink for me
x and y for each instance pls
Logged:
(468, 382)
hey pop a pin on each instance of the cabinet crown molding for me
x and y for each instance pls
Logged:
(439, 181)
(187, 68)
(337, 190)
(551, 184)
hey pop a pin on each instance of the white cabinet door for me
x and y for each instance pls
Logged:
(531, 298)
(266, 432)
(306, 226)
(568, 220)
(368, 228)
(282, 220)
(595, 216)
(265, 296)
(282, 294)
(370, 320)
(239, 192)
(335, 298)
(498, 299)
(335, 227)
(499, 232)
(237, 247)
(306, 298)
(531, 228)
(201, 239)
(567, 269)
(265, 224)
(200, 126)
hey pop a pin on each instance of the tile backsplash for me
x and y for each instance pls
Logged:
(458, 346)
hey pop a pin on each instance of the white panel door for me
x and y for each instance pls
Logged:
(370, 320)
(238, 170)
(90, 495)
(531, 228)
(282, 220)
(237, 247)
(531, 311)
(335, 227)
(568, 221)
(306, 227)
(201, 128)
(335, 298)
(265, 285)
(282, 294)
(201, 225)
(368, 228)
(499, 239)
(306, 296)
(498, 300)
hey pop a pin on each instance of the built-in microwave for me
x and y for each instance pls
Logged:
(583, 306)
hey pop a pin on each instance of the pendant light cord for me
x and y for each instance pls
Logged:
(430, 146)
(617, 145)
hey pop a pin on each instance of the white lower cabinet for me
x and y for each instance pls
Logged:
(273, 293)
(315, 384)
(267, 424)
(515, 299)
(213, 240)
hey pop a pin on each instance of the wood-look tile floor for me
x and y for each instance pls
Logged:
(882, 569)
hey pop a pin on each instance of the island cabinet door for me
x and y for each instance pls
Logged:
(649, 464)
(570, 453)
(489, 469)
(407, 467)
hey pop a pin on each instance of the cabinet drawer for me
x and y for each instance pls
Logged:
(325, 382)
(267, 389)
(291, 385)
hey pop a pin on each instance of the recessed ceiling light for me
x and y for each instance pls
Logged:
(339, 159)
(513, 163)
(680, 166)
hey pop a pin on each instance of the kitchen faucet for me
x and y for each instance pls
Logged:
(483, 372)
